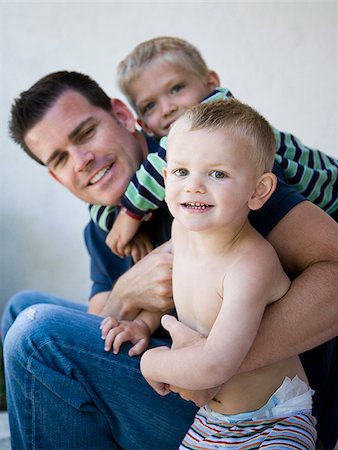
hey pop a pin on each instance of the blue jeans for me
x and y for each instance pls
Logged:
(65, 392)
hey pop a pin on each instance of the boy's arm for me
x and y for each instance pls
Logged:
(145, 192)
(124, 238)
(247, 288)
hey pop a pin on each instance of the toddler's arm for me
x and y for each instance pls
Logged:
(213, 361)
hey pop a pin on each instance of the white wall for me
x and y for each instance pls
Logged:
(280, 57)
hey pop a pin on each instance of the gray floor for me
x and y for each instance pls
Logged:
(4, 432)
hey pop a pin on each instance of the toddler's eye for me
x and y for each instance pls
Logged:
(218, 174)
(181, 172)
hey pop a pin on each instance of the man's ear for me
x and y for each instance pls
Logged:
(213, 80)
(265, 186)
(123, 114)
(144, 127)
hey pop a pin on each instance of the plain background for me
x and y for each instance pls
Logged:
(280, 57)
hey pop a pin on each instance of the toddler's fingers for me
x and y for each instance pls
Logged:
(139, 347)
(120, 338)
(110, 338)
(107, 324)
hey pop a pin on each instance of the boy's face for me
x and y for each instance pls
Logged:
(92, 152)
(209, 178)
(163, 93)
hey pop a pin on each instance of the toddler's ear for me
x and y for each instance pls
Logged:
(144, 127)
(164, 172)
(265, 186)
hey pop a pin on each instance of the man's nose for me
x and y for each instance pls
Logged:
(82, 157)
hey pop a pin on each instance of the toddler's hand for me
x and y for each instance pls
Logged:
(116, 332)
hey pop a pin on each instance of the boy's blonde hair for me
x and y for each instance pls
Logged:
(240, 120)
(164, 48)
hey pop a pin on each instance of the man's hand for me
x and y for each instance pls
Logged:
(145, 286)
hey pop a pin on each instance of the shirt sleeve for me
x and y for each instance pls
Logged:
(145, 192)
(105, 266)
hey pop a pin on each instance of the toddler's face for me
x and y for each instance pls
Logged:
(163, 93)
(208, 190)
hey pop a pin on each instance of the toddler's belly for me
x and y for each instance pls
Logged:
(251, 390)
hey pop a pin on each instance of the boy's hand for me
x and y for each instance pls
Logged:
(139, 246)
(116, 332)
(122, 232)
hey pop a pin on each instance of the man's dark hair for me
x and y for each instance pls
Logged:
(30, 107)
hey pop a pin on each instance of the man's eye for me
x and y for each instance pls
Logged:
(85, 134)
(59, 161)
(181, 172)
(218, 174)
(177, 88)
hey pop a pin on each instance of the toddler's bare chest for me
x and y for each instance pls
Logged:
(197, 294)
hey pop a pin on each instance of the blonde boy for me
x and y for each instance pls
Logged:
(219, 162)
(161, 78)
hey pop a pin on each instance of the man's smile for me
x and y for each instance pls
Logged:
(100, 174)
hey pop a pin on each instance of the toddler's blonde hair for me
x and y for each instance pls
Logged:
(238, 119)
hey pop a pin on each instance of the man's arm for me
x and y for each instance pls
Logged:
(306, 240)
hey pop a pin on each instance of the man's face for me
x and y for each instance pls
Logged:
(92, 152)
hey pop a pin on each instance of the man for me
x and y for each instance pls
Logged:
(63, 390)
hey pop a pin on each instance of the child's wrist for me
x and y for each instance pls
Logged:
(141, 218)
(144, 325)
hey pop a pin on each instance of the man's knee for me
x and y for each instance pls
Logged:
(15, 305)
(32, 327)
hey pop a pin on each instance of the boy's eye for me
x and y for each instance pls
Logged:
(181, 172)
(218, 174)
(147, 108)
(177, 88)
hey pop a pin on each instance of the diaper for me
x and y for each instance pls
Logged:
(292, 397)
